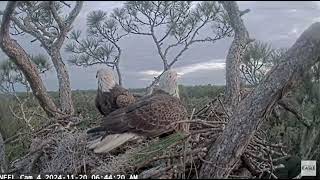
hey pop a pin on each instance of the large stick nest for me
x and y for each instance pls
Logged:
(63, 150)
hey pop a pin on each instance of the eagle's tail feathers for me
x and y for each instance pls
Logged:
(113, 141)
(93, 144)
(96, 129)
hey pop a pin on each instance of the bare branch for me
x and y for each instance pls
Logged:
(56, 16)
(291, 106)
(73, 14)
(244, 12)
(63, 2)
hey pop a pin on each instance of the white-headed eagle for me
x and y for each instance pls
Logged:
(150, 116)
(111, 96)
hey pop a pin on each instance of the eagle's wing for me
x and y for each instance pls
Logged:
(118, 97)
(122, 96)
(150, 116)
(103, 103)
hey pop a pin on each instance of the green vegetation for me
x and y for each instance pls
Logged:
(287, 126)
(193, 97)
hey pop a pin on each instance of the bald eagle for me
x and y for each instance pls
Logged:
(110, 95)
(150, 116)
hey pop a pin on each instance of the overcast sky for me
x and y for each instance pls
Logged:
(276, 22)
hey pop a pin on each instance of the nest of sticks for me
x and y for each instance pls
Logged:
(180, 155)
(62, 148)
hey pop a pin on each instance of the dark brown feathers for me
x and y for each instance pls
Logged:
(150, 116)
(118, 97)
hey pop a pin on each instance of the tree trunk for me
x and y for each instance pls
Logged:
(65, 93)
(14, 51)
(2, 156)
(236, 51)
(256, 107)
(119, 74)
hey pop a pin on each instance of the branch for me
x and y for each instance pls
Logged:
(66, 26)
(56, 15)
(74, 13)
(63, 2)
(93, 63)
(164, 60)
(28, 28)
(235, 53)
(131, 29)
(91, 53)
(290, 106)
(244, 12)
(7, 15)
(254, 109)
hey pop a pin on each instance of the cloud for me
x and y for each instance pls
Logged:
(294, 32)
(316, 19)
(215, 64)
(151, 73)
(317, 4)
(293, 10)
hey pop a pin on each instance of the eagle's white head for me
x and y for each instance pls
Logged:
(168, 82)
(106, 79)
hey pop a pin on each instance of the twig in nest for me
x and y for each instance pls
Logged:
(206, 123)
(256, 157)
(48, 128)
(186, 126)
(207, 131)
(271, 174)
(249, 165)
(239, 177)
(196, 151)
(207, 117)
(270, 145)
(271, 164)
(269, 150)
(154, 172)
(205, 107)
(225, 110)
(215, 114)
(14, 137)
(192, 163)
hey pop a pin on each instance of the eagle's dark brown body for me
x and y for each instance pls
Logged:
(118, 97)
(149, 116)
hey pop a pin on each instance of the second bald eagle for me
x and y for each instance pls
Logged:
(110, 95)
(149, 116)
